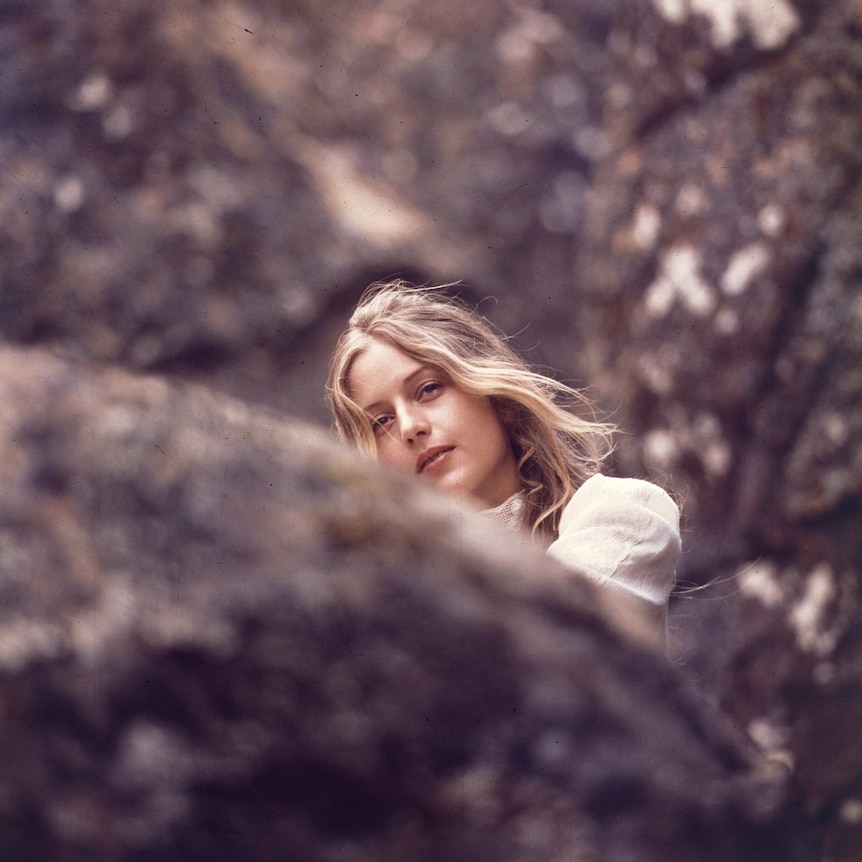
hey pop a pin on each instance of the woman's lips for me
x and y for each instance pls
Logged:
(432, 459)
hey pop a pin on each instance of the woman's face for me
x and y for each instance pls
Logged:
(424, 425)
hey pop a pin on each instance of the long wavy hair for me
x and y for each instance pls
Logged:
(556, 450)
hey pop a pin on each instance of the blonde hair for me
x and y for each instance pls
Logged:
(556, 450)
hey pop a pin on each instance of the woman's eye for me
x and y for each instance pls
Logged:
(430, 387)
(378, 423)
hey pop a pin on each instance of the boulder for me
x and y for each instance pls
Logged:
(658, 198)
(224, 637)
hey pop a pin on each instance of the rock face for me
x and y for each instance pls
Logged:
(222, 638)
(661, 198)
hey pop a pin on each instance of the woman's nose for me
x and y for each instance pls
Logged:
(414, 423)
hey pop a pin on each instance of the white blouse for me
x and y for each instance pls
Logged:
(622, 533)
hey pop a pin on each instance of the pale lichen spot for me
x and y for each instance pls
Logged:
(701, 435)
(199, 221)
(691, 200)
(767, 734)
(645, 56)
(680, 278)
(835, 428)
(119, 123)
(149, 752)
(657, 369)
(773, 739)
(745, 265)
(120, 420)
(717, 458)
(518, 44)
(727, 321)
(24, 640)
(298, 304)
(93, 93)
(92, 632)
(807, 617)
(672, 10)
(542, 28)
(620, 96)
(851, 811)
(770, 22)
(723, 18)
(715, 452)
(413, 45)
(513, 48)
(771, 220)
(759, 580)
(660, 449)
(69, 194)
(646, 226)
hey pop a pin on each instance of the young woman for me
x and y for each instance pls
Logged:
(421, 382)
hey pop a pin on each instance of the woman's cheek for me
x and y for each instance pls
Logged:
(386, 452)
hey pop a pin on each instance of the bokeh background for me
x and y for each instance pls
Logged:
(659, 199)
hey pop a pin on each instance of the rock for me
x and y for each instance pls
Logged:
(659, 199)
(223, 637)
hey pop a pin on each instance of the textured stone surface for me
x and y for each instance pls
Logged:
(660, 197)
(220, 638)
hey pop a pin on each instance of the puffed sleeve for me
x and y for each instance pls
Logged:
(623, 533)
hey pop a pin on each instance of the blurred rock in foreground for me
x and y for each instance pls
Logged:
(662, 199)
(222, 637)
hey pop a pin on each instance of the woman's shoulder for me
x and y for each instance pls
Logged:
(621, 496)
(622, 530)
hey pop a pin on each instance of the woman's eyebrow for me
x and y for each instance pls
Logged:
(410, 377)
(405, 382)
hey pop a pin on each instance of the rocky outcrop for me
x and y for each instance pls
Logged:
(221, 637)
(659, 197)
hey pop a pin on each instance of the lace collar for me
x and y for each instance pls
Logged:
(510, 514)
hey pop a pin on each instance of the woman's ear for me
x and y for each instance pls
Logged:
(507, 412)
